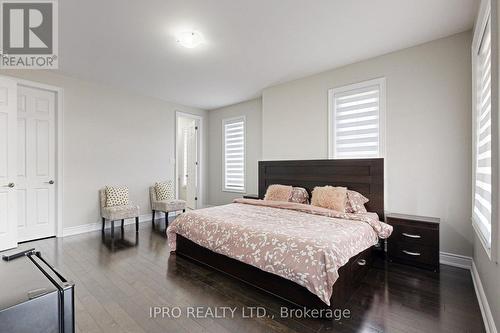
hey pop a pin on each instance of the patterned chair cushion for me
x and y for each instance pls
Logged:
(120, 212)
(116, 196)
(169, 205)
(164, 190)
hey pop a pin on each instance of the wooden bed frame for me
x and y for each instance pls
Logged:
(365, 176)
(362, 175)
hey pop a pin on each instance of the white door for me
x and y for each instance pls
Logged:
(35, 186)
(192, 166)
(8, 198)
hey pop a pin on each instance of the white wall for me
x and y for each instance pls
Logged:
(110, 137)
(252, 110)
(428, 150)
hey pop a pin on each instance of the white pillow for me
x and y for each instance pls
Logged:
(164, 190)
(116, 196)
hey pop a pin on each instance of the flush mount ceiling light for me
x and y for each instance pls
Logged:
(190, 39)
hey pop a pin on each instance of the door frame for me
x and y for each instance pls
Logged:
(199, 143)
(59, 141)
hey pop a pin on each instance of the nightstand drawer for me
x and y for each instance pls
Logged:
(414, 253)
(414, 235)
(414, 240)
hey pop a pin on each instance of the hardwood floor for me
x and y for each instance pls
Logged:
(115, 289)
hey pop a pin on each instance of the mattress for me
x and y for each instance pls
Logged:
(302, 243)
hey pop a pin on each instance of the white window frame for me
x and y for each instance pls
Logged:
(484, 15)
(382, 109)
(224, 121)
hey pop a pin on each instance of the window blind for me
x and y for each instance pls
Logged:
(356, 120)
(234, 154)
(482, 187)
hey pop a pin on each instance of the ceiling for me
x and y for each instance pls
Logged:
(250, 44)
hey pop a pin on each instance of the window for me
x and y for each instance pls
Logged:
(234, 154)
(356, 120)
(482, 208)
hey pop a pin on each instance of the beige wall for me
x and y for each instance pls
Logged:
(489, 271)
(252, 110)
(428, 150)
(110, 137)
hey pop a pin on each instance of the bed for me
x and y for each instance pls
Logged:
(310, 257)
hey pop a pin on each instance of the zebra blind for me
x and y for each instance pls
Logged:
(234, 154)
(482, 153)
(356, 115)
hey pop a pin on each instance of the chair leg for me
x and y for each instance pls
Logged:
(112, 229)
(153, 219)
(137, 224)
(123, 221)
(103, 223)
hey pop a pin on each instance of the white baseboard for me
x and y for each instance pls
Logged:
(489, 322)
(80, 229)
(455, 260)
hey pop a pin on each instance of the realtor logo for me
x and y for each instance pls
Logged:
(29, 34)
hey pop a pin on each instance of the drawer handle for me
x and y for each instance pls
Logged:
(410, 235)
(411, 253)
(361, 262)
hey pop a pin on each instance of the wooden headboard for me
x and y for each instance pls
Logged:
(365, 176)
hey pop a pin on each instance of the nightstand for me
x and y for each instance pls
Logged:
(414, 240)
(251, 196)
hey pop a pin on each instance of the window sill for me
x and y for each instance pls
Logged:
(234, 191)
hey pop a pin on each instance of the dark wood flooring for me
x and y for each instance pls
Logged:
(117, 285)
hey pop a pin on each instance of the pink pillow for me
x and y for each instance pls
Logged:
(355, 202)
(299, 195)
(278, 193)
(330, 197)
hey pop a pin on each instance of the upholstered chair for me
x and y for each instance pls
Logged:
(116, 213)
(169, 204)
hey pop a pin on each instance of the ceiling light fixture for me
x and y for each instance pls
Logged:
(190, 39)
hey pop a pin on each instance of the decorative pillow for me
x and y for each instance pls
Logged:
(330, 197)
(116, 196)
(355, 202)
(164, 190)
(299, 195)
(278, 193)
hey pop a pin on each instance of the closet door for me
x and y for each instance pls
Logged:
(35, 184)
(8, 163)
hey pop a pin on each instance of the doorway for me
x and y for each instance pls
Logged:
(187, 161)
(30, 178)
